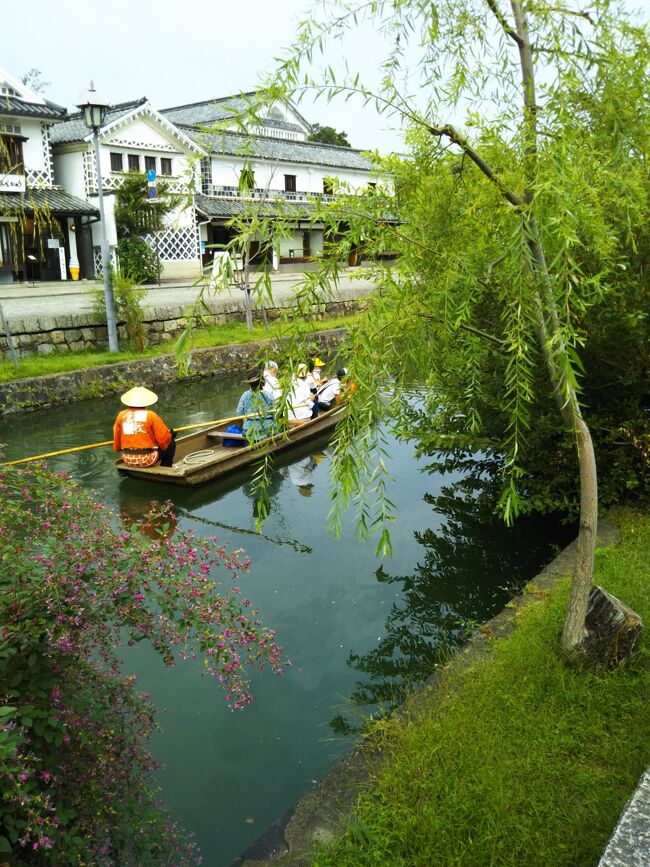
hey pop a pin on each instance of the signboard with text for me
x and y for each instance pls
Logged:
(12, 183)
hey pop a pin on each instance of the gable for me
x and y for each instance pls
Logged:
(286, 113)
(147, 129)
(12, 86)
(142, 133)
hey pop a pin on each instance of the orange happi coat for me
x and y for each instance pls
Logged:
(140, 429)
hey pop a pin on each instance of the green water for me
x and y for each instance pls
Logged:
(350, 625)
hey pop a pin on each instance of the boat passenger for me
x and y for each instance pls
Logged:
(272, 385)
(258, 404)
(300, 400)
(330, 393)
(315, 371)
(141, 435)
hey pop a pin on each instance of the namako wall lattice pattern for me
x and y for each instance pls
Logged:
(175, 244)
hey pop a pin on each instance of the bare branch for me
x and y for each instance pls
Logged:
(507, 29)
(453, 135)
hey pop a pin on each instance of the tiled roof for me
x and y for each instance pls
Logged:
(313, 153)
(281, 124)
(58, 202)
(75, 129)
(13, 106)
(218, 207)
(222, 107)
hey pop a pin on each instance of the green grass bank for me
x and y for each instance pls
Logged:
(202, 338)
(518, 760)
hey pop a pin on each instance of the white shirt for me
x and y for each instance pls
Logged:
(272, 385)
(300, 404)
(327, 394)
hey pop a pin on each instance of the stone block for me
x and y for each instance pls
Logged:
(45, 348)
(62, 347)
(170, 325)
(88, 333)
(76, 345)
(31, 325)
(72, 334)
(57, 337)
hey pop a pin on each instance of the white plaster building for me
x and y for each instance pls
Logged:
(134, 137)
(286, 167)
(50, 159)
(41, 248)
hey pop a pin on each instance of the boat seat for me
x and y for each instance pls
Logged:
(224, 435)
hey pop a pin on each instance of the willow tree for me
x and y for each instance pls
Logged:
(525, 179)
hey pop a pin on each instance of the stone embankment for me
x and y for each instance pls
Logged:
(79, 332)
(93, 382)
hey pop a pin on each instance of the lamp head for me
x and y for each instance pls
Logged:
(93, 108)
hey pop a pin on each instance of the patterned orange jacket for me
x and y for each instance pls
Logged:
(140, 429)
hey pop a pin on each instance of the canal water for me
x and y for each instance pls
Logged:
(356, 629)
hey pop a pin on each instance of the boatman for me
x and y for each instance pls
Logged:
(141, 435)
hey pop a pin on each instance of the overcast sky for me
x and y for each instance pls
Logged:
(180, 51)
(172, 51)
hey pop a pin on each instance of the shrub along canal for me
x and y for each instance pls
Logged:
(350, 624)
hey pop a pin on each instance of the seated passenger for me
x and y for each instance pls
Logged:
(300, 400)
(141, 435)
(259, 405)
(330, 393)
(315, 371)
(271, 383)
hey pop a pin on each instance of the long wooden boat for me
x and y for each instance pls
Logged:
(201, 457)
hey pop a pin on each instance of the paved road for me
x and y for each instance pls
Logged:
(23, 300)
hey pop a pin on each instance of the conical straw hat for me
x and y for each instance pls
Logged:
(139, 397)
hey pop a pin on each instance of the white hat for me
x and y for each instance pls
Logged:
(139, 397)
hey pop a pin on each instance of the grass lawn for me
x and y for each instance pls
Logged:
(216, 335)
(522, 761)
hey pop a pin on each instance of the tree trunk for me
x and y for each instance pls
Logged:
(554, 348)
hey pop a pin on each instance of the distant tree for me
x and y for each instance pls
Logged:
(135, 217)
(33, 79)
(328, 135)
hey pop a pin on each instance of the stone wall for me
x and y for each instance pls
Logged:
(44, 391)
(84, 332)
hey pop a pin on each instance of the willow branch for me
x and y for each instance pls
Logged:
(450, 132)
(501, 18)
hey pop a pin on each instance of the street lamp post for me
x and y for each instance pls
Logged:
(94, 111)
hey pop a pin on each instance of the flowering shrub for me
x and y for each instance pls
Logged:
(75, 770)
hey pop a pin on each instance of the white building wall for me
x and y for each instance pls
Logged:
(309, 179)
(69, 173)
(33, 153)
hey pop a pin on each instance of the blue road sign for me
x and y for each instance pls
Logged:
(151, 175)
(152, 192)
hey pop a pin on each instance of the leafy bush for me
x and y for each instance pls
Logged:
(75, 769)
(138, 261)
(127, 299)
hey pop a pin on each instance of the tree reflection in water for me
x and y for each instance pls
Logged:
(472, 565)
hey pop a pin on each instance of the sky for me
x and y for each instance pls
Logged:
(180, 51)
(174, 52)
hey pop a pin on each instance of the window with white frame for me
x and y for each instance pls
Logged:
(165, 166)
(117, 162)
(134, 162)
(149, 163)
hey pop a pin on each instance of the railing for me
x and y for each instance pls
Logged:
(222, 191)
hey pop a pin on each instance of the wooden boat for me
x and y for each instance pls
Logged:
(201, 457)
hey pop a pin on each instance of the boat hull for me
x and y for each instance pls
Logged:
(200, 457)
